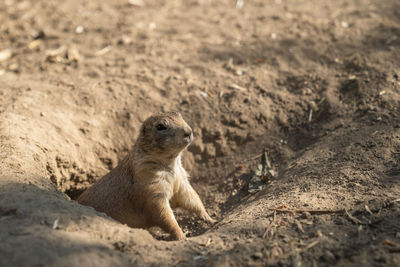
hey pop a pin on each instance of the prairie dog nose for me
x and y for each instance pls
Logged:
(187, 132)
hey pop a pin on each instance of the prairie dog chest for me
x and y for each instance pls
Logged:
(173, 180)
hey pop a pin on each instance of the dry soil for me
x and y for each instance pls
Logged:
(314, 83)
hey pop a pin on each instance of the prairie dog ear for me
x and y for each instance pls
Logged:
(177, 113)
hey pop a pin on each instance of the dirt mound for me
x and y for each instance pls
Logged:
(314, 84)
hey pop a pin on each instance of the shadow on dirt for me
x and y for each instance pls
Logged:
(47, 219)
(259, 49)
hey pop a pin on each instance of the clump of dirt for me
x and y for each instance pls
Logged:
(314, 84)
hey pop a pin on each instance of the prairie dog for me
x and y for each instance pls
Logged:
(142, 190)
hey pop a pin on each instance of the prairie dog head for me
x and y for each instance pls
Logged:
(164, 135)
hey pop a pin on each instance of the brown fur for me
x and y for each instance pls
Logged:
(141, 190)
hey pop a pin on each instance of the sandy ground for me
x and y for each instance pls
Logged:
(314, 83)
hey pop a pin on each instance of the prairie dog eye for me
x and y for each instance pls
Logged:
(161, 127)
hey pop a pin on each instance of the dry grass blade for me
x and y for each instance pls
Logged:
(104, 51)
(270, 226)
(267, 231)
(368, 210)
(299, 226)
(237, 87)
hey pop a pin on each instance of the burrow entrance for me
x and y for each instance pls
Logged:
(222, 182)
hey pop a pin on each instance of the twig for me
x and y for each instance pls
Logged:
(390, 243)
(313, 212)
(354, 219)
(312, 244)
(307, 247)
(394, 247)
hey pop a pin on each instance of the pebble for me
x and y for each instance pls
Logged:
(14, 67)
(138, 3)
(5, 54)
(257, 255)
(79, 29)
(239, 72)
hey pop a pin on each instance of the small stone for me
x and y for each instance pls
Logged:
(5, 54)
(306, 91)
(152, 26)
(344, 24)
(257, 255)
(138, 3)
(34, 44)
(38, 34)
(79, 29)
(239, 4)
(14, 67)
(124, 40)
(239, 72)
